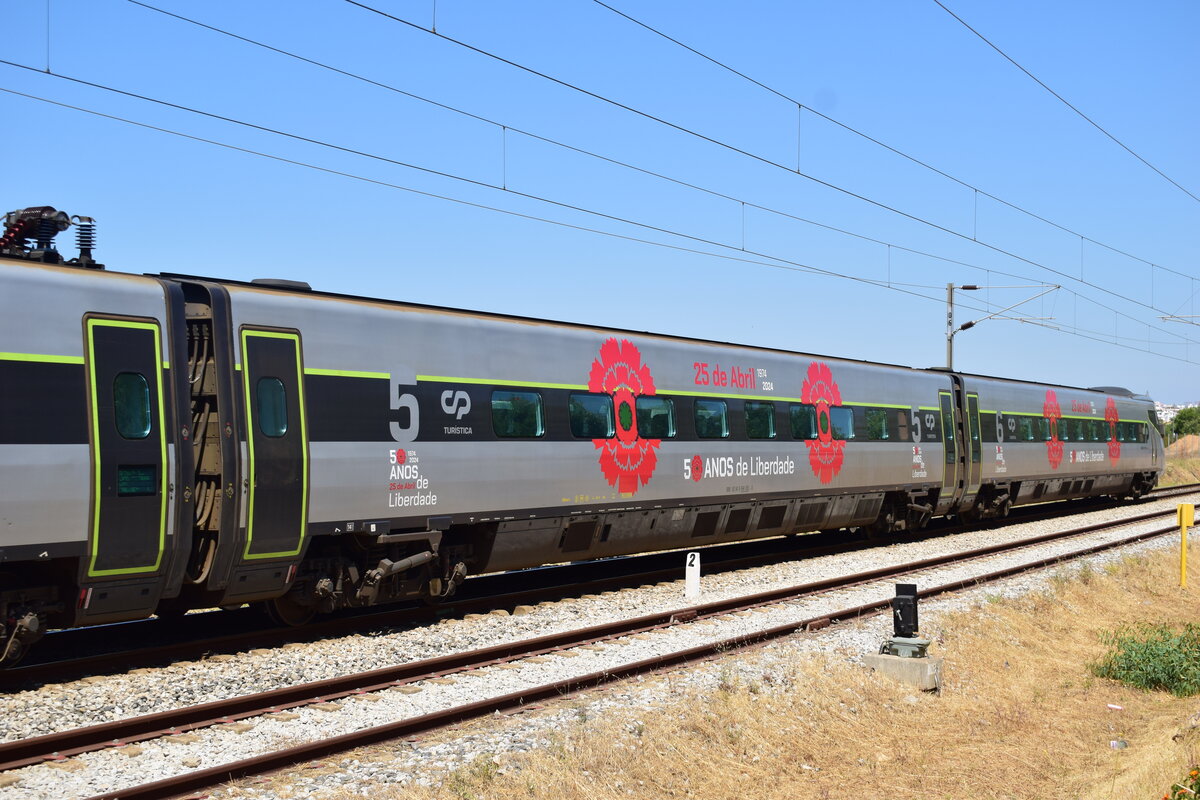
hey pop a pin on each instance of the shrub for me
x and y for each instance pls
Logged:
(1154, 657)
(1186, 788)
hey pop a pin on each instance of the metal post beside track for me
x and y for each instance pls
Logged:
(1187, 515)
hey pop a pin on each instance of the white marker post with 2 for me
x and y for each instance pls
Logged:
(691, 577)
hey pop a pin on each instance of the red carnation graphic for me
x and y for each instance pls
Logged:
(1112, 417)
(1051, 411)
(819, 390)
(697, 468)
(627, 460)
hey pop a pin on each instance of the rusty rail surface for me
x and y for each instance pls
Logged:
(62, 745)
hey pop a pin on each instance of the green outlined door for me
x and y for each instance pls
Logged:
(277, 444)
(128, 444)
(975, 467)
(951, 445)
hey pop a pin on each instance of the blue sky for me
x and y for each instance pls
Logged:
(907, 74)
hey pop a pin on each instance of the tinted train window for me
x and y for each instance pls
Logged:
(987, 426)
(877, 427)
(655, 418)
(842, 420)
(272, 407)
(517, 414)
(760, 420)
(1025, 429)
(131, 405)
(804, 421)
(711, 422)
(592, 416)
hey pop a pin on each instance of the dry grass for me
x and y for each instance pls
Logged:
(1180, 470)
(1183, 462)
(1019, 716)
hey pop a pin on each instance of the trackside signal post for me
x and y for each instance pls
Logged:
(1187, 516)
(905, 656)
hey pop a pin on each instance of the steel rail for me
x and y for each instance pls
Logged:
(197, 649)
(64, 744)
(517, 701)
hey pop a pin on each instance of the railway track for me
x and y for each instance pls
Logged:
(480, 595)
(68, 743)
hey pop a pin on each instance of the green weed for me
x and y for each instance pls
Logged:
(1153, 657)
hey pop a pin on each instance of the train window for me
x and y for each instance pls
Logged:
(987, 426)
(804, 421)
(1152, 415)
(760, 420)
(877, 428)
(711, 421)
(1100, 432)
(517, 414)
(272, 407)
(1025, 429)
(841, 420)
(1143, 431)
(655, 418)
(131, 405)
(592, 416)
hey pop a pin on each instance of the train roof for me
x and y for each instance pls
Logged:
(280, 284)
(302, 288)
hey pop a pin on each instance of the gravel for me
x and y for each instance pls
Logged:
(93, 700)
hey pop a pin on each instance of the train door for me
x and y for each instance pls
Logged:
(277, 444)
(975, 444)
(128, 447)
(951, 478)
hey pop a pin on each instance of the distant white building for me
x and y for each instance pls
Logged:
(1167, 412)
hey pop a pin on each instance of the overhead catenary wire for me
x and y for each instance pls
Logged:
(485, 184)
(1064, 101)
(784, 264)
(754, 156)
(882, 144)
(507, 127)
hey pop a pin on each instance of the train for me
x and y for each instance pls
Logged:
(172, 442)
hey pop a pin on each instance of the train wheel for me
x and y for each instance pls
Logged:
(288, 613)
(13, 652)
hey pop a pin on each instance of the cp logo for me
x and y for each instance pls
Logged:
(457, 403)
